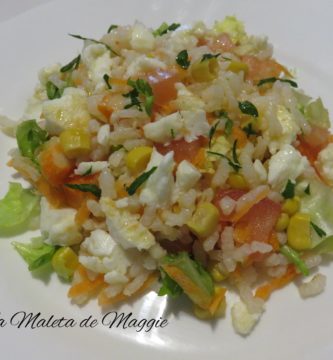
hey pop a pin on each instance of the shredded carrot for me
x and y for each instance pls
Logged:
(118, 81)
(55, 166)
(104, 300)
(218, 299)
(86, 286)
(82, 214)
(239, 135)
(54, 195)
(120, 189)
(266, 290)
(248, 205)
(104, 106)
(273, 240)
(200, 158)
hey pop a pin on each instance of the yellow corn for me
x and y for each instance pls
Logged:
(204, 220)
(216, 273)
(237, 66)
(64, 262)
(291, 206)
(298, 233)
(75, 142)
(138, 158)
(206, 70)
(237, 181)
(282, 223)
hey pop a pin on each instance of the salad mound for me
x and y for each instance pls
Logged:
(181, 156)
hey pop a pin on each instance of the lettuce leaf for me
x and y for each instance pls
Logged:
(169, 286)
(319, 205)
(317, 114)
(232, 26)
(18, 210)
(324, 247)
(35, 256)
(30, 137)
(195, 281)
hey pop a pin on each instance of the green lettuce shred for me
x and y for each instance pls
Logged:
(19, 210)
(324, 247)
(317, 114)
(319, 205)
(195, 281)
(169, 286)
(232, 26)
(35, 255)
(29, 138)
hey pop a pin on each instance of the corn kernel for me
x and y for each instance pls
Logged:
(204, 220)
(291, 206)
(206, 70)
(75, 142)
(237, 181)
(237, 66)
(298, 233)
(282, 223)
(216, 274)
(138, 158)
(64, 262)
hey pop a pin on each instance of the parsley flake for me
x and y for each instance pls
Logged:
(140, 180)
(289, 190)
(182, 59)
(247, 108)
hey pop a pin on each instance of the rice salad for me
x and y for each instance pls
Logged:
(183, 159)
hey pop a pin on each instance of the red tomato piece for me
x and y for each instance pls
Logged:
(182, 149)
(163, 83)
(258, 224)
(261, 69)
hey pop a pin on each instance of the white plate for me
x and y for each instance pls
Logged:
(290, 328)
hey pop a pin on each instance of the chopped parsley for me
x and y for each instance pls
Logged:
(94, 41)
(234, 163)
(92, 188)
(273, 79)
(229, 123)
(248, 129)
(320, 232)
(140, 87)
(165, 28)
(73, 65)
(209, 56)
(172, 131)
(112, 27)
(140, 180)
(182, 59)
(307, 190)
(289, 190)
(52, 91)
(106, 78)
(228, 126)
(88, 172)
(212, 132)
(247, 108)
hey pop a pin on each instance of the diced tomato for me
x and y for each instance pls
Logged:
(222, 43)
(163, 85)
(182, 149)
(233, 194)
(258, 224)
(262, 69)
(312, 143)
